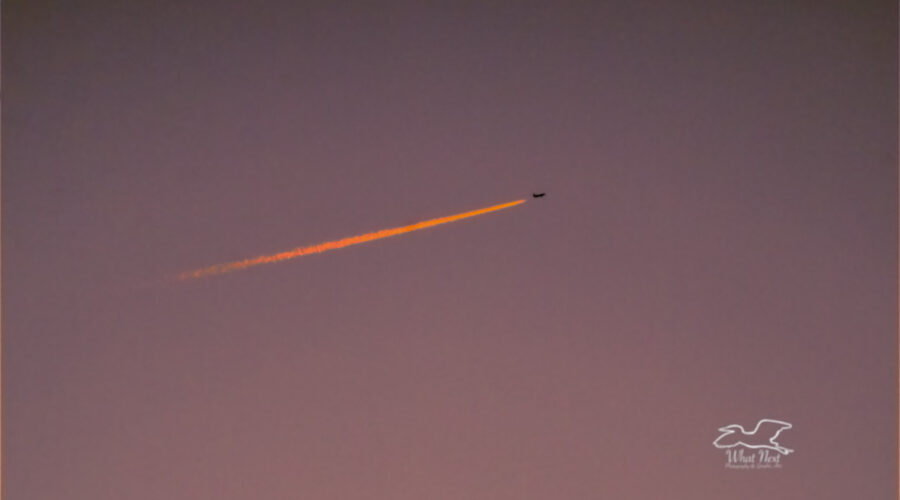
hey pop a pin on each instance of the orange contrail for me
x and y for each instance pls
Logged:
(332, 245)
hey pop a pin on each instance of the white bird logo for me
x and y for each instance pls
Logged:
(735, 435)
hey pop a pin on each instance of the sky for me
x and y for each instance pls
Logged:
(717, 246)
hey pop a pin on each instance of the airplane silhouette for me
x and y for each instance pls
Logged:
(766, 427)
(538, 195)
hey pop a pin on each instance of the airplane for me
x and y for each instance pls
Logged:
(538, 195)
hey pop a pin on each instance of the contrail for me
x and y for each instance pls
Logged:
(332, 245)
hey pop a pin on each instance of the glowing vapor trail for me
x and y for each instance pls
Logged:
(332, 245)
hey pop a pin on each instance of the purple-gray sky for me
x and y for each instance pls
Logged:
(718, 246)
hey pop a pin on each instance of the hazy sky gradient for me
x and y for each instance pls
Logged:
(718, 245)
